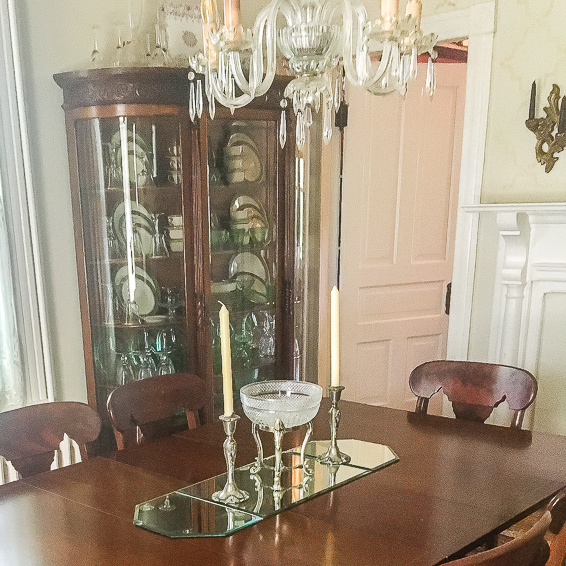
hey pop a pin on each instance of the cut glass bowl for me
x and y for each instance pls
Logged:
(295, 403)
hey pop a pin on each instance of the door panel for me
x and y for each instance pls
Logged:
(398, 222)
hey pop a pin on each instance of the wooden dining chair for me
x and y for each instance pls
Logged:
(474, 388)
(141, 410)
(30, 436)
(529, 549)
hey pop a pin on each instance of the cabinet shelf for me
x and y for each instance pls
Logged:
(145, 188)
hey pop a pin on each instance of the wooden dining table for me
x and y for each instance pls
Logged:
(455, 484)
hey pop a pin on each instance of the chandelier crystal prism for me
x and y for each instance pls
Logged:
(321, 41)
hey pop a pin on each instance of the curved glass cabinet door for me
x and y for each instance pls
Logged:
(245, 232)
(130, 172)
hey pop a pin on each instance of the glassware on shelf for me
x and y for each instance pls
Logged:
(113, 245)
(159, 246)
(124, 369)
(141, 352)
(96, 58)
(146, 365)
(171, 299)
(267, 339)
(164, 346)
(132, 312)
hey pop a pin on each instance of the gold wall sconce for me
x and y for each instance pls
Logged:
(550, 131)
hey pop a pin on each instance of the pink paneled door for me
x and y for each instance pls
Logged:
(401, 176)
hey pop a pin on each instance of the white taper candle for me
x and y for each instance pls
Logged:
(226, 361)
(334, 337)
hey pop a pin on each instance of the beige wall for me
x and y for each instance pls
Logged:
(56, 35)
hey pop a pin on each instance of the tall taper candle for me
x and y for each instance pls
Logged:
(389, 10)
(231, 14)
(533, 97)
(226, 361)
(414, 8)
(334, 337)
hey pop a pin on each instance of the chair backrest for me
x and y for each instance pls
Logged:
(29, 436)
(474, 388)
(529, 549)
(139, 408)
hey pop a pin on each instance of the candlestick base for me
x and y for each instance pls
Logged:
(231, 493)
(333, 456)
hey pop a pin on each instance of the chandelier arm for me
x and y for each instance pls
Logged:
(371, 84)
(266, 21)
(348, 31)
(238, 74)
(229, 102)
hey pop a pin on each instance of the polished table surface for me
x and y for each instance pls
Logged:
(455, 483)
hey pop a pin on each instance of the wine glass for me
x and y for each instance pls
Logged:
(164, 344)
(141, 350)
(267, 340)
(171, 299)
(159, 247)
(96, 57)
(124, 369)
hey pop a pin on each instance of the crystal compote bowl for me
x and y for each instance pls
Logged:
(294, 403)
(279, 406)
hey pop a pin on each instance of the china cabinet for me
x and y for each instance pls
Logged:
(174, 218)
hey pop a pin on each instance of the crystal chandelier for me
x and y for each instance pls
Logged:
(321, 40)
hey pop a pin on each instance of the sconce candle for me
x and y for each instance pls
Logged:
(226, 361)
(533, 97)
(334, 337)
(562, 116)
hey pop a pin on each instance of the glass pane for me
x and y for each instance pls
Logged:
(130, 177)
(243, 195)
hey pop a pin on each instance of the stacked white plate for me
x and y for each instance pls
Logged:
(242, 160)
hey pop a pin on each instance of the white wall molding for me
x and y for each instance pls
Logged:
(530, 268)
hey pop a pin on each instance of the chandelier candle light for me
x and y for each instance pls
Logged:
(321, 40)
(231, 493)
(333, 456)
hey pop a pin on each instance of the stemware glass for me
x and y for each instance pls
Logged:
(112, 241)
(164, 345)
(159, 247)
(96, 57)
(171, 299)
(267, 340)
(141, 351)
(124, 369)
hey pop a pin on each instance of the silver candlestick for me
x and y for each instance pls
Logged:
(231, 493)
(333, 456)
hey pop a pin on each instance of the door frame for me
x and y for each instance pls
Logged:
(477, 23)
